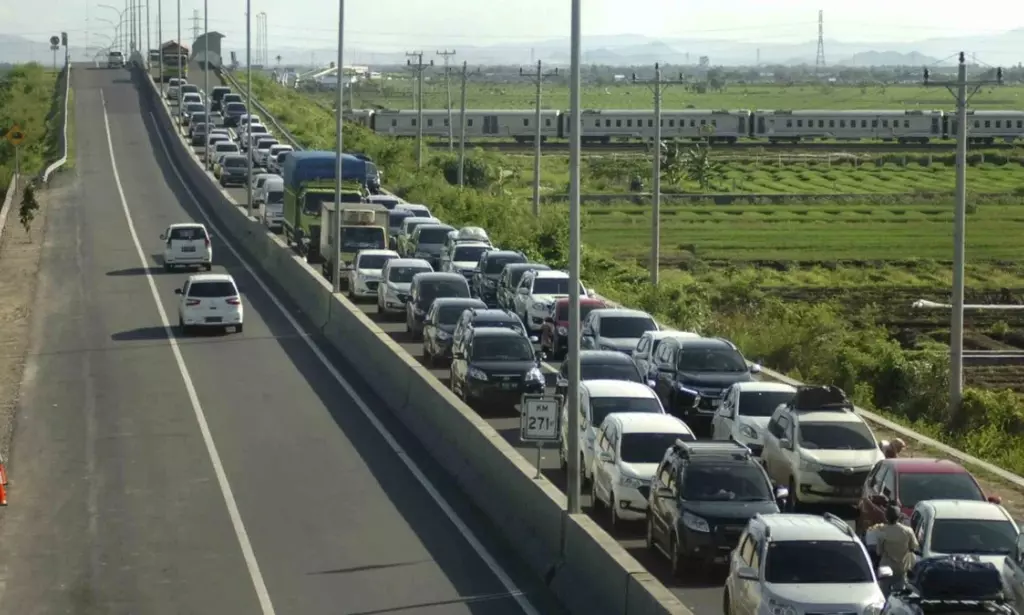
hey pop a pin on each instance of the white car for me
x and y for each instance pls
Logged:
(272, 197)
(223, 148)
(275, 151)
(627, 453)
(251, 135)
(258, 181)
(187, 244)
(395, 281)
(464, 258)
(364, 276)
(536, 295)
(420, 211)
(262, 148)
(173, 87)
(209, 300)
(745, 411)
(598, 399)
(964, 527)
(387, 200)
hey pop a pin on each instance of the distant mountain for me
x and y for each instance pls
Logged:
(19, 50)
(888, 58)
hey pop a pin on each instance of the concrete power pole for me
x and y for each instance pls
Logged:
(419, 67)
(462, 122)
(657, 86)
(538, 79)
(448, 87)
(963, 90)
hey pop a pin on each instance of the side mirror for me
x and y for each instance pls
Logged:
(786, 443)
(995, 499)
(747, 573)
(652, 383)
(755, 368)
(177, 291)
(606, 457)
(884, 572)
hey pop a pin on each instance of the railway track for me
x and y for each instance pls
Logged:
(559, 147)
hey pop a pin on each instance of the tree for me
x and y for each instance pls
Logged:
(700, 167)
(29, 207)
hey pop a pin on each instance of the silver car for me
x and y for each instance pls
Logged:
(791, 564)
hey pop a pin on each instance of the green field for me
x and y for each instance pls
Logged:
(398, 94)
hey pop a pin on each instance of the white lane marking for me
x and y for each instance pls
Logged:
(474, 543)
(266, 606)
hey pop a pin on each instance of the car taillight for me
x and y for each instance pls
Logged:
(234, 301)
(192, 302)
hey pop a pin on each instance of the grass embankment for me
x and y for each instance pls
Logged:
(26, 98)
(397, 93)
(815, 342)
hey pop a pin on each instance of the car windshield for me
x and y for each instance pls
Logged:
(836, 436)
(495, 264)
(411, 225)
(762, 403)
(423, 213)
(395, 218)
(313, 201)
(726, 482)
(235, 163)
(275, 197)
(552, 286)
(915, 487)
(374, 261)
(562, 313)
(648, 447)
(195, 108)
(362, 238)
(972, 536)
(627, 326)
(710, 360)
(609, 371)
(812, 561)
(449, 314)
(188, 233)
(601, 407)
(403, 275)
(502, 348)
(443, 288)
(235, 107)
(433, 235)
(226, 147)
(465, 254)
(212, 289)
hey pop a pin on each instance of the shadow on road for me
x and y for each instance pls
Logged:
(135, 271)
(140, 334)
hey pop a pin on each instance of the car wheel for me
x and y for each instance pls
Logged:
(238, 329)
(726, 604)
(428, 359)
(584, 481)
(650, 532)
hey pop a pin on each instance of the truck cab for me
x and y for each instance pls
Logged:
(302, 214)
(364, 226)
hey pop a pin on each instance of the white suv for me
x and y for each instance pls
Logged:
(790, 564)
(626, 456)
(187, 244)
(395, 281)
(745, 411)
(364, 276)
(819, 448)
(209, 300)
(536, 295)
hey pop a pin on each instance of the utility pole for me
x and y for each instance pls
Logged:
(206, 75)
(448, 87)
(538, 79)
(248, 96)
(462, 124)
(160, 46)
(419, 67)
(149, 44)
(178, 53)
(195, 24)
(575, 114)
(963, 90)
(657, 86)
(338, 166)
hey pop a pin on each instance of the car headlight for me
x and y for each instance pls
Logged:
(807, 465)
(875, 608)
(780, 608)
(630, 482)
(535, 375)
(563, 330)
(443, 335)
(476, 374)
(538, 306)
(695, 523)
(748, 432)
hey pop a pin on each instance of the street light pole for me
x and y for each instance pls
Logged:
(574, 461)
(149, 43)
(248, 97)
(206, 74)
(338, 162)
(179, 49)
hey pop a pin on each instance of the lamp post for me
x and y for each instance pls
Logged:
(573, 482)
(340, 139)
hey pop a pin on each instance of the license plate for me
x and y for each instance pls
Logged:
(509, 386)
(188, 249)
(213, 319)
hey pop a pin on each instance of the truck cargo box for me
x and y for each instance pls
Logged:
(310, 165)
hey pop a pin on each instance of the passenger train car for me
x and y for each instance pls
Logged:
(728, 126)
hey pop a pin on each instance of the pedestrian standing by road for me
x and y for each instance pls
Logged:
(896, 545)
(892, 448)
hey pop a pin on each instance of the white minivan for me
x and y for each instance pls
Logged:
(187, 244)
(272, 197)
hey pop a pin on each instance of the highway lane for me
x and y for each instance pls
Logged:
(124, 509)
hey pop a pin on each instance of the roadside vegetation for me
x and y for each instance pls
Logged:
(26, 100)
(724, 288)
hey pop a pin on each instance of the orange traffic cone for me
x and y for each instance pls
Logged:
(3, 471)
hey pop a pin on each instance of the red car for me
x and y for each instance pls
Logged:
(909, 480)
(554, 341)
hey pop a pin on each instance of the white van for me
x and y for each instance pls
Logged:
(272, 197)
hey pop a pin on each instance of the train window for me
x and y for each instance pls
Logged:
(469, 122)
(821, 123)
(547, 122)
(703, 122)
(1020, 123)
(650, 123)
(977, 123)
(988, 124)
(618, 123)
(607, 123)
(906, 123)
(413, 121)
(629, 123)
(799, 123)
(874, 123)
(831, 123)
(526, 121)
(999, 124)
(885, 123)
(863, 123)
(789, 123)
(430, 122)
(394, 123)
(842, 123)
(692, 123)
(672, 123)
(446, 122)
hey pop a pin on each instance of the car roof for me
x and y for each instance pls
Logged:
(604, 356)
(707, 342)
(967, 509)
(188, 225)
(665, 334)
(211, 277)
(472, 244)
(438, 275)
(618, 388)
(583, 301)
(524, 266)
(828, 417)
(412, 206)
(414, 218)
(620, 312)
(926, 465)
(466, 301)
(797, 527)
(551, 273)
(434, 226)
(494, 314)
(648, 422)
(409, 262)
(763, 386)
(496, 332)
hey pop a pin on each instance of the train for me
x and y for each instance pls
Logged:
(985, 127)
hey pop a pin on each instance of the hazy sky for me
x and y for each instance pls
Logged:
(397, 24)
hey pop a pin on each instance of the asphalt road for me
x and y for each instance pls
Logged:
(121, 504)
(702, 594)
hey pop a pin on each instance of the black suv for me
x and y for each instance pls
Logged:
(216, 95)
(488, 270)
(702, 496)
(599, 365)
(508, 281)
(424, 289)
(690, 375)
(439, 324)
(495, 367)
(485, 317)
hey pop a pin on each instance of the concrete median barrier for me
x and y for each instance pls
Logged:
(585, 567)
